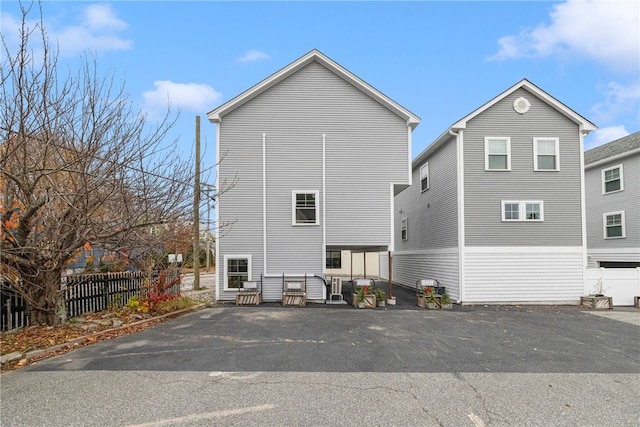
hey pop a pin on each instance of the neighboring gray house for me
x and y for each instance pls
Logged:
(612, 179)
(318, 154)
(496, 212)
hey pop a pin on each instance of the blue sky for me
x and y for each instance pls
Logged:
(441, 60)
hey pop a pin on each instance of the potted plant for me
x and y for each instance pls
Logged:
(445, 301)
(359, 297)
(424, 294)
(380, 297)
(433, 300)
(364, 298)
(596, 299)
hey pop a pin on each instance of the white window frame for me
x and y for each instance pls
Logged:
(536, 154)
(604, 183)
(226, 272)
(604, 225)
(424, 173)
(294, 221)
(404, 229)
(522, 210)
(487, 141)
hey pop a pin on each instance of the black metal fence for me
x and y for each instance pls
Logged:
(87, 293)
(13, 309)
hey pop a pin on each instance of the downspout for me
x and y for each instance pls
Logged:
(324, 212)
(461, 237)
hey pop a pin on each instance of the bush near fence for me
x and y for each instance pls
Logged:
(87, 293)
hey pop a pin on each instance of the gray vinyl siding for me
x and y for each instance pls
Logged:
(560, 191)
(433, 214)
(627, 200)
(240, 207)
(366, 150)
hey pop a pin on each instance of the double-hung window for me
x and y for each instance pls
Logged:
(546, 154)
(612, 179)
(522, 210)
(305, 208)
(424, 177)
(334, 259)
(237, 269)
(404, 230)
(497, 154)
(614, 225)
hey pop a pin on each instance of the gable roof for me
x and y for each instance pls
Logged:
(613, 150)
(584, 124)
(216, 115)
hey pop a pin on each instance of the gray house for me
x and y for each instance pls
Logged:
(318, 154)
(612, 177)
(496, 213)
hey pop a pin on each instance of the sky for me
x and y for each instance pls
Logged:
(440, 60)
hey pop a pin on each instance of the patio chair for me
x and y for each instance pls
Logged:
(429, 283)
(294, 292)
(249, 293)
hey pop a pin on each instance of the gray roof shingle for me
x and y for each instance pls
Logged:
(613, 148)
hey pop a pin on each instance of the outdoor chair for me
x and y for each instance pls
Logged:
(249, 293)
(294, 293)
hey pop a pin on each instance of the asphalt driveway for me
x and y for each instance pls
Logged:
(533, 365)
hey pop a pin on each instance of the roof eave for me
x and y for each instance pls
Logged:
(215, 115)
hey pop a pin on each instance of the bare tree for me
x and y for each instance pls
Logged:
(78, 164)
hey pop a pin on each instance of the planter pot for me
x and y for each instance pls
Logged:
(380, 303)
(596, 303)
(391, 300)
(447, 306)
(368, 302)
(422, 301)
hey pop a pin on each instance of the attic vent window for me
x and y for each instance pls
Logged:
(521, 105)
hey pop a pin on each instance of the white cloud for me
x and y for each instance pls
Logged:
(97, 31)
(604, 135)
(603, 31)
(619, 100)
(253, 56)
(100, 16)
(196, 97)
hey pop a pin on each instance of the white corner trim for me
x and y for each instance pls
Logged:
(264, 203)
(216, 213)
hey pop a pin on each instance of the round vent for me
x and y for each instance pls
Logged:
(521, 105)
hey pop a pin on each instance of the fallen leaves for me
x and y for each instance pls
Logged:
(72, 333)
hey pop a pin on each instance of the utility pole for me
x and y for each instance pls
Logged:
(208, 232)
(196, 213)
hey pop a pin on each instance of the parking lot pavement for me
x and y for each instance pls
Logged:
(531, 365)
(622, 314)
